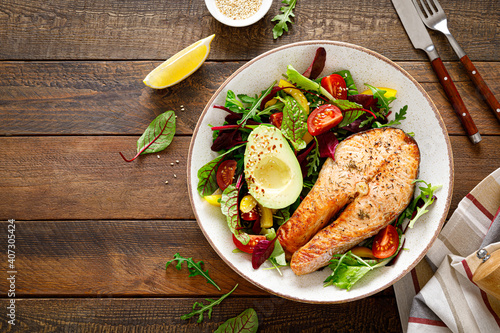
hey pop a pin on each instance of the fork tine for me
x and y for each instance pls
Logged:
(432, 8)
(437, 5)
(422, 6)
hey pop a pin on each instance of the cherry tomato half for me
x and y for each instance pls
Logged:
(335, 85)
(225, 173)
(251, 215)
(248, 248)
(323, 118)
(276, 119)
(386, 242)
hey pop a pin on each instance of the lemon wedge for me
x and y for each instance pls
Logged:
(180, 65)
(389, 92)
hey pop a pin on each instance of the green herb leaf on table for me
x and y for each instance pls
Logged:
(193, 267)
(284, 18)
(245, 322)
(157, 136)
(203, 307)
(294, 124)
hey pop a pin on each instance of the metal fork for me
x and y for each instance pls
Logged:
(434, 17)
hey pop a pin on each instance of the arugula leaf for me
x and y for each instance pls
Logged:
(232, 103)
(207, 175)
(157, 136)
(303, 82)
(383, 102)
(245, 322)
(229, 207)
(427, 195)
(294, 124)
(253, 109)
(284, 18)
(401, 115)
(349, 81)
(313, 160)
(203, 308)
(193, 267)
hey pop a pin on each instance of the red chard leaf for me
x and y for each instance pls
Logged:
(327, 144)
(317, 65)
(262, 252)
(157, 136)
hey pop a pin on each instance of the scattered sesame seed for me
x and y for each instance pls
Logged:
(158, 156)
(175, 176)
(166, 181)
(176, 161)
(172, 163)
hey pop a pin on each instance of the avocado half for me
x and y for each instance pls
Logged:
(272, 171)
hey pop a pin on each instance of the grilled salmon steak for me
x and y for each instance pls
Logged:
(373, 175)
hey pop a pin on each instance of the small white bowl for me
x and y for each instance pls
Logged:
(212, 8)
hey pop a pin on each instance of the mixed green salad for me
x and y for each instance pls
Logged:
(293, 126)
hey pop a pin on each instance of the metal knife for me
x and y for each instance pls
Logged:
(421, 39)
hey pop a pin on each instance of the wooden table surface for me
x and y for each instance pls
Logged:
(93, 233)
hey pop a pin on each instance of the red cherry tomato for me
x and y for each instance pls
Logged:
(323, 118)
(276, 119)
(251, 215)
(385, 243)
(335, 85)
(225, 173)
(248, 248)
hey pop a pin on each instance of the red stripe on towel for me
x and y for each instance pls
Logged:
(426, 321)
(479, 206)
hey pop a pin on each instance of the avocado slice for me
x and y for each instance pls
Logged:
(272, 171)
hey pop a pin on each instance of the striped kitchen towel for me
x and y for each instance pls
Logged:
(439, 295)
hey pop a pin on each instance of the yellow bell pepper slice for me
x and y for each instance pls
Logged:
(296, 94)
(213, 199)
(389, 92)
(266, 217)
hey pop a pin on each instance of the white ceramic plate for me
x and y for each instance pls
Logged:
(423, 119)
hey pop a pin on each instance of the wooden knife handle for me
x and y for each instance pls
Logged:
(455, 99)
(487, 275)
(481, 85)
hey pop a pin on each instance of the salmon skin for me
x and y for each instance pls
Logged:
(373, 175)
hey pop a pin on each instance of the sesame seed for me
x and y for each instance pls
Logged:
(238, 9)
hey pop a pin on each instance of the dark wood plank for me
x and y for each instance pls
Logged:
(85, 178)
(151, 29)
(163, 315)
(99, 98)
(73, 177)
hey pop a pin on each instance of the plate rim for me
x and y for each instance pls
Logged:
(389, 62)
